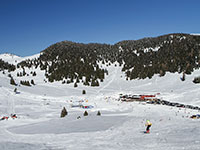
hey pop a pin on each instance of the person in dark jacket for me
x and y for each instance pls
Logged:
(148, 125)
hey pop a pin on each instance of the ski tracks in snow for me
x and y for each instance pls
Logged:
(113, 77)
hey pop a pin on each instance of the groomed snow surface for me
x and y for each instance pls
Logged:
(121, 125)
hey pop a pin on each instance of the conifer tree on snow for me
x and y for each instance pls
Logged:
(63, 112)
(83, 92)
(85, 113)
(98, 113)
(32, 82)
(75, 84)
(183, 77)
(15, 90)
(12, 81)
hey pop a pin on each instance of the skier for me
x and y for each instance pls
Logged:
(148, 124)
(13, 116)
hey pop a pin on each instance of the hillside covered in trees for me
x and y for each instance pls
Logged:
(6, 66)
(173, 53)
(71, 62)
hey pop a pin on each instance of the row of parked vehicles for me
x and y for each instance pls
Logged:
(152, 99)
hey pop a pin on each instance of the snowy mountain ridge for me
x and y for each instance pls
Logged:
(14, 59)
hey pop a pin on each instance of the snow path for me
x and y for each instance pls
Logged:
(113, 77)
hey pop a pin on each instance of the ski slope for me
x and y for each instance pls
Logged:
(121, 125)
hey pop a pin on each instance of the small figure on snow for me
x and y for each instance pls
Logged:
(4, 118)
(148, 124)
(14, 116)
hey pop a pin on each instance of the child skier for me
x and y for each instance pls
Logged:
(148, 124)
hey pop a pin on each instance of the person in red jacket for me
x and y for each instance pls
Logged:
(148, 124)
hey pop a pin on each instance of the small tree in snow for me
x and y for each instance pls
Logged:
(32, 82)
(75, 84)
(196, 80)
(63, 112)
(34, 73)
(12, 81)
(83, 92)
(15, 90)
(85, 113)
(98, 113)
(183, 77)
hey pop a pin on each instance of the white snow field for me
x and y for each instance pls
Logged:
(121, 125)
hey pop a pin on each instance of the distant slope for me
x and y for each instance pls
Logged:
(14, 59)
(10, 58)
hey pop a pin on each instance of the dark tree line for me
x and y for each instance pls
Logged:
(26, 83)
(6, 66)
(175, 53)
(81, 63)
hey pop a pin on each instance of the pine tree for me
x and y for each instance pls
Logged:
(12, 81)
(98, 113)
(83, 92)
(196, 80)
(75, 84)
(24, 73)
(27, 83)
(32, 82)
(183, 77)
(9, 75)
(63, 112)
(15, 90)
(34, 73)
(95, 82)
(85, 113)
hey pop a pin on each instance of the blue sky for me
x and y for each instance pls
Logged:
(29, 26)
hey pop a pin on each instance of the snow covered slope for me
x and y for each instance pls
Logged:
(121, 125)
(13, 59)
